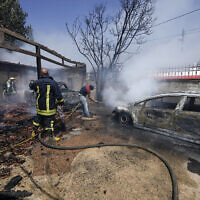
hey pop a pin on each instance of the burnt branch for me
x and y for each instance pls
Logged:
(102, 39)
(132, 22)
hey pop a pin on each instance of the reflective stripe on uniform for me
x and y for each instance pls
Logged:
(60, 101)
(52, 122)
(38, 93)
(10, 85)
(47, 98)
(46, 113)
(13, 89)
(46, 129)
(35, 123)
(52, 126)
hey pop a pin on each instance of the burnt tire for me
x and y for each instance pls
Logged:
(125, 119)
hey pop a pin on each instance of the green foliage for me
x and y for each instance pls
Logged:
(14, 18)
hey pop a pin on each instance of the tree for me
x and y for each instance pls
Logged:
(103, 39)
(14, 18)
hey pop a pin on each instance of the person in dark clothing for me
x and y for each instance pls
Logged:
(10, 89)
(83, 93)
(47, 92)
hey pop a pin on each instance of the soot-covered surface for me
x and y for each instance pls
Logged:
(194, 166)
(106, 173)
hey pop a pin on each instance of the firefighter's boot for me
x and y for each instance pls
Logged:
(52, 136)
(55, 138)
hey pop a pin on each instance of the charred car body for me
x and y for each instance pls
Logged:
(175, 115)
(71, 97)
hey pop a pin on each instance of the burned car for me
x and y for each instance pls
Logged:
(175, 115)
(71, 97)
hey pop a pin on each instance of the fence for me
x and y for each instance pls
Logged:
(189, 72)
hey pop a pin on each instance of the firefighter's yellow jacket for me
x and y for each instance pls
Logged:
(48, 92)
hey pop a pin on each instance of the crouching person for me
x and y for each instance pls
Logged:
(47, 92)
(83, 93)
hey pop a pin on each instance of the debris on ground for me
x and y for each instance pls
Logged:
(76, 131)
(194, 166)
(102, 171)
(12, 195)
(13, 182)
(5, 172)
(15, 127)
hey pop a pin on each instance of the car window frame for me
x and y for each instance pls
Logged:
(175, 109)
(188, 96)
(180, 105)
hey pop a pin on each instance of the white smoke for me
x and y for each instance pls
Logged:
(161, 50)
(172, 44)
(14, 57)
(57, 41)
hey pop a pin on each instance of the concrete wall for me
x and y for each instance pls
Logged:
(74, 78)
(179, 85)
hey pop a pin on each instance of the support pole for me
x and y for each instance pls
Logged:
(38, 61)
(1, 37)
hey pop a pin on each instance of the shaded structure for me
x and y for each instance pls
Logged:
(73, 73)
(73, 77)
(37, 54)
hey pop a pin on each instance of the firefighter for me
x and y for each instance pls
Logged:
(47, 92)
(9, 89)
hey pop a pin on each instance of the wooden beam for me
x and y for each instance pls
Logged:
(2, 37)
(56, 62)
(11, 48)
(38, 61)
(22, 38)
(17, 36)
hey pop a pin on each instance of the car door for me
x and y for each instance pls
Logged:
(187, 119)
(159, 112)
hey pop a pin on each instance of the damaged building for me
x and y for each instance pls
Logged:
(74, 78)
(72, 73)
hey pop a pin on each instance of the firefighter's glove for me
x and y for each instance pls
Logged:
(60, 103)
(33, 134)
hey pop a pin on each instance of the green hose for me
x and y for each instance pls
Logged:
(172, 176)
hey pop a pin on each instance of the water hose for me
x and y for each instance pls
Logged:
(172, 176)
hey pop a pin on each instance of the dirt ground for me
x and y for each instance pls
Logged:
(113, 173)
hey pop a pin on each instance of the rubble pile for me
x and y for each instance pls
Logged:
(15, 125)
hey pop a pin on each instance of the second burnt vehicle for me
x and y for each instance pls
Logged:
(71, 97)
(175, 115)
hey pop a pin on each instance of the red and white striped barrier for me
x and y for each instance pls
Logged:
(178, 73)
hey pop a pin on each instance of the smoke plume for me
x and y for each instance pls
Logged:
(171, 44)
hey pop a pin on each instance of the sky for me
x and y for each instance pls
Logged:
(163, 48)
(51, 15)
(48, 19)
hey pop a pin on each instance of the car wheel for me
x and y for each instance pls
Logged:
(125, 119)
